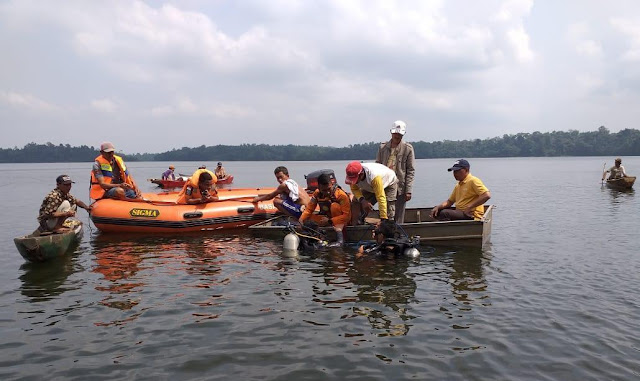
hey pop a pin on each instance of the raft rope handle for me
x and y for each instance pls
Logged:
(291, 228)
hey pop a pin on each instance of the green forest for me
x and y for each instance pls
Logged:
(557, 143)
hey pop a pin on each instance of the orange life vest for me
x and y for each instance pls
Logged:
(191, 190)
(97, 192)
(324, 203)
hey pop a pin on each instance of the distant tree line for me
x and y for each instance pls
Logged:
(557, 143)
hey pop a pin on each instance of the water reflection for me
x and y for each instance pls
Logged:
(44, 281)
(467, 277)
(384, 282)
(378, 289)
(617, 197)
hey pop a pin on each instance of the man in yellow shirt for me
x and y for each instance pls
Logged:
(469, 196)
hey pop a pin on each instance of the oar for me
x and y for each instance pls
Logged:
(603, 172)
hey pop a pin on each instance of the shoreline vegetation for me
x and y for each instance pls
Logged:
(537, 144)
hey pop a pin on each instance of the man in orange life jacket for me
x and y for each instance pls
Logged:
(200, 188)
(110, 177)
(334, 205)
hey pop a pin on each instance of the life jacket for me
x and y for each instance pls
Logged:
(191, 188)
(97, 192)
(324, 203)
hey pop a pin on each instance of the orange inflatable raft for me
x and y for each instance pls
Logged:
(159, 213)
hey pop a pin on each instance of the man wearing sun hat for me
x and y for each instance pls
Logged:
(58, 205)
(399, 156)
(469, 196)
(371, 183)
(110, 177)
(168, 174)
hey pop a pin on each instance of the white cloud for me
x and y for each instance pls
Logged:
(272, 66)
(104, 105)
(631, 30)
(26, 101)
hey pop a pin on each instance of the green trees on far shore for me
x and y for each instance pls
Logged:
(557, 143)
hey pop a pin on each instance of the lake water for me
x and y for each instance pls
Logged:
(553, 297)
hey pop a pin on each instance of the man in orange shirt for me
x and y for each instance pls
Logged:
(334, 204)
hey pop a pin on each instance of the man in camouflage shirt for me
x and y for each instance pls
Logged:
(58, 205)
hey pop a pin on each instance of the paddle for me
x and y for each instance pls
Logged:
(603, 172)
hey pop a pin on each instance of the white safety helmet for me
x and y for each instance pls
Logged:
(399, 127)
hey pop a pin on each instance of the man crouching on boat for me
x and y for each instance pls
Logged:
(58, 205)
(200, 189)
(334, 205)
(289, 197)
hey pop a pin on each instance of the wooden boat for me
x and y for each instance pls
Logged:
(622, 183)
(417, 223)
(159, 213)
(179, 183)
(39, 247)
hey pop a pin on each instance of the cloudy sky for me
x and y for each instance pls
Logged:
(155, 75)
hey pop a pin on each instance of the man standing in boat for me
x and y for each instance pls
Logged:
(334, 205)
(469, 196)
(289, 197)
(58, 205)
(110, 177)
(615, 172)
(399, 156)
(200, 188)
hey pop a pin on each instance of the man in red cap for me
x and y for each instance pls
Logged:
(371, 183)
(469, 196)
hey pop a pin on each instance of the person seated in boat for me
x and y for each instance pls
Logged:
(289, 197)
(220, 172)
(469, 196)
(200, 189)
(371, 183)
(334, 205)
(168, 174)
(110, 177)
(59, 205)
(615, 172)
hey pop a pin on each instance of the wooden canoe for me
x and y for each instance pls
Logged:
(622, 183)
(37, 247)
(417, 223)
(169, 184)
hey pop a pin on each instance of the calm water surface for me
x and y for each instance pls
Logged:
(554, 297)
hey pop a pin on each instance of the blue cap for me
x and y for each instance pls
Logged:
(459, 164)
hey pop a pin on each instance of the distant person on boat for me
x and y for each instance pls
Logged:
(202, 167)
(220, 172)
(168, 174)
(289, 197)
(400, 157)
(58, 205)
(371, 183)
(469, 196)
(334, 205)
(615, 172)
(200, 188)
(110, 177)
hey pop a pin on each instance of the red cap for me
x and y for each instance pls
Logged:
(353, 172)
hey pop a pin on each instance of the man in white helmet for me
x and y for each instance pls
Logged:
(399, 156)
